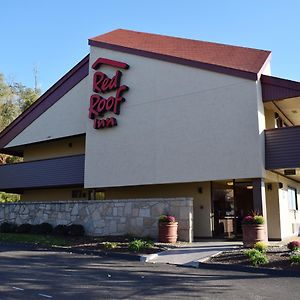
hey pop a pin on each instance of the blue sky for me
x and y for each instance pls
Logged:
(52, 35)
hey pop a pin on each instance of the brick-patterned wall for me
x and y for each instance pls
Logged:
(108, 217)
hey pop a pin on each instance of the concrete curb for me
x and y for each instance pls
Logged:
(249, 269)
(148, 257)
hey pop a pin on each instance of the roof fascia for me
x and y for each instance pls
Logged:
(276, 88)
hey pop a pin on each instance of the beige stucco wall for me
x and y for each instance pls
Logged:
(66, 117)
(272, 204)
(178, 124)
(202, 201)
(49, 195)
(58, 148)
(270, 118)
(289, 219)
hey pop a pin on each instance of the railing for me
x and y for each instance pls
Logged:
(282, 148)
(54, 172)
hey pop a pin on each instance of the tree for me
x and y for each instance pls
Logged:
(14, 99)
(25, 96)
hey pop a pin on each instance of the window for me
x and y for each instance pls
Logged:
(96, 195)
(292, 198)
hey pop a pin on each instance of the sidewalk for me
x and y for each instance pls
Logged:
(191, 254)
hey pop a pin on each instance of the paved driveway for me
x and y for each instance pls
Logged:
(26, 274)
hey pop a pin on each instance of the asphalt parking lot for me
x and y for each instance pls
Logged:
(36, 274)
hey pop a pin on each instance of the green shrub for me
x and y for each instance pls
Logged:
(148, 244)
(75, 230)
(261, 247)
(136, 245)
(35, 229)
(44, 228)
(256, 257)
(110, 245)
(7, 227)
(60, 230)
(24, 228)
(295, 258)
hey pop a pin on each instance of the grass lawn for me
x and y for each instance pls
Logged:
(35, 239)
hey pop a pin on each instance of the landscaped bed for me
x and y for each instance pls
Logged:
(115, 244)
(278, 256)
(72, 237)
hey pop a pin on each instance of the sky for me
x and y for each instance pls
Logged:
(52, 35)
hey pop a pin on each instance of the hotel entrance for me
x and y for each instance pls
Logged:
(231, 201)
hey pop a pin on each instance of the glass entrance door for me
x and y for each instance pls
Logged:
(231, 201)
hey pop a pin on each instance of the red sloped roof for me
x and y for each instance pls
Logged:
(242, 59)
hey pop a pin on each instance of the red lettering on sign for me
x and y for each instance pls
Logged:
(105, 123)
(103, 84)
(113, 63)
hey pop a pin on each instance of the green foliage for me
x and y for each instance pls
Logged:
(149, 243)
(259, 219)
(75, 230)
(24, 228)
(139, 244)
(60, 230)
(44, 228)
(14, 99)
(295, 258)
(136, 245)
(7, 227)
(261, 247)
(110, 245)
(8, 112)
(25, 96)
(6, 197)
(32, 238)
(256, 257)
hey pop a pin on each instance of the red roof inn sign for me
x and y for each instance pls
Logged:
(102, 84)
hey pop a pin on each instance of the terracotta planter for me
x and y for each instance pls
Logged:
(167, 232)
(252, 234)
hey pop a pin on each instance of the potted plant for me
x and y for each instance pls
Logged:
(167, 229)
(253, 230)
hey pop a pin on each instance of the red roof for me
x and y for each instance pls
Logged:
(225, 56)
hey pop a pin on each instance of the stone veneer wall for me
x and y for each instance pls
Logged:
(106, 217)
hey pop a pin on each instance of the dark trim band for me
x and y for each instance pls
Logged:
(51, 96)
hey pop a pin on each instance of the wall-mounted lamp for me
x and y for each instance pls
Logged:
(280, 185)
(229, 183)
(200, 190)
(269, 186)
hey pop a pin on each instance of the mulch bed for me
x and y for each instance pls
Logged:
(100, 244)
(278, 259)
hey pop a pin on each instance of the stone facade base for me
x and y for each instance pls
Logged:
(109, 217)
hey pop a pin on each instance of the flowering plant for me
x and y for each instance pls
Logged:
(167, 219)
(253, 219)
(294, 245)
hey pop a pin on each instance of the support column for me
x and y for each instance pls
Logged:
(259, 200)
